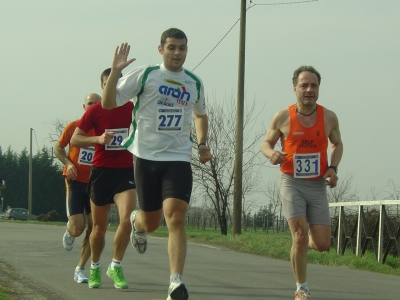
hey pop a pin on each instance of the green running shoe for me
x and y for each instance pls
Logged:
(95, 278)
(118, 277)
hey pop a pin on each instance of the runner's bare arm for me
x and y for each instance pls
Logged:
(120, 62)
(201, 124)
(81, 141)
(272, 136)
(336, 142)
(60, 154)
(337, 148)
(71, 170)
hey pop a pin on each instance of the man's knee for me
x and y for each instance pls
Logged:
(322, 246)
(320, 237)
(299, 229)
(176, 219)
(76, 229)
(149, 221)
(300, 239)
(99, 229)
(151, 227)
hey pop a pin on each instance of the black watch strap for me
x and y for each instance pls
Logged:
(334, 168)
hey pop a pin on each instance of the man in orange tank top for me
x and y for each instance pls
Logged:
(76, 171)
(304, 129)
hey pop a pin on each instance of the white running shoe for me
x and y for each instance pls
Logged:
(302, 295)
(68, 240)
(177, 291)
(138, 239)
(80, 276)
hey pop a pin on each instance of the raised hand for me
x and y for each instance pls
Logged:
(120, 60)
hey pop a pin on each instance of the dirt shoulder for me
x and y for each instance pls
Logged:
(21, 288)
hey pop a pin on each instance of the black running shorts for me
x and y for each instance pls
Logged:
(105, 183)
(77, 200)
(159, 180)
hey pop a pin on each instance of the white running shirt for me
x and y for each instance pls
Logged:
(163, 112)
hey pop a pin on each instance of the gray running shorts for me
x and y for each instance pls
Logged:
(301, 197)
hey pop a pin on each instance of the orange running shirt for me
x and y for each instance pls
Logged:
(306, 147)
(81, 157)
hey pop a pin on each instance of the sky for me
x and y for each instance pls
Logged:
(52, 54)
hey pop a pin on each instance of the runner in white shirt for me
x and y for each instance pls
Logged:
(167, 98)
(165, 111)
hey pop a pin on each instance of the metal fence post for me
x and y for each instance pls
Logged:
(380, 237)
(359, 225)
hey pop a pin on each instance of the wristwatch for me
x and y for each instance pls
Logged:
(334, 168)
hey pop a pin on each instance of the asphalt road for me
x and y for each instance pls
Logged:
(36, 253)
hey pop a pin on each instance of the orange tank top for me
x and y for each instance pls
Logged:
(81, 157)
(306, 147)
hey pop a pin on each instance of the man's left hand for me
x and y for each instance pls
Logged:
(331, 178)
(204, 153)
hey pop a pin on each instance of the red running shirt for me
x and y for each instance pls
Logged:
(117, 120)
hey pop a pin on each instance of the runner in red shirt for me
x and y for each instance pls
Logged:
(111, 181)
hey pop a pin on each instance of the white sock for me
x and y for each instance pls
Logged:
(115, 262)
(95, 265)
(175, 277)
(302, 286)
(78, 268)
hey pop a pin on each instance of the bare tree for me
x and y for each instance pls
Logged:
(56, 130)
(394, 190)
(389, 192)
(395, 195)
(343, 192)
(271, 192)
(215, 179)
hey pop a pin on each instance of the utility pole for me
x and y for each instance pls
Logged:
(30, 177)
(2, 186)
(237, 191)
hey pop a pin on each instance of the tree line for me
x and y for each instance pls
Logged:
(48, 186)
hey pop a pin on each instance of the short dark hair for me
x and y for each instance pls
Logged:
(106, 72)
(174, 33)
(301, 69)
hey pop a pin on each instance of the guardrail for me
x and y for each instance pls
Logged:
(343, 236)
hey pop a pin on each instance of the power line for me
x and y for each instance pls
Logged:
(251, 4)
(281, 3)
(34, 132)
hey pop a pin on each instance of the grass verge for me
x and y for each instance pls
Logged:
(3, 294)
(277, 245)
